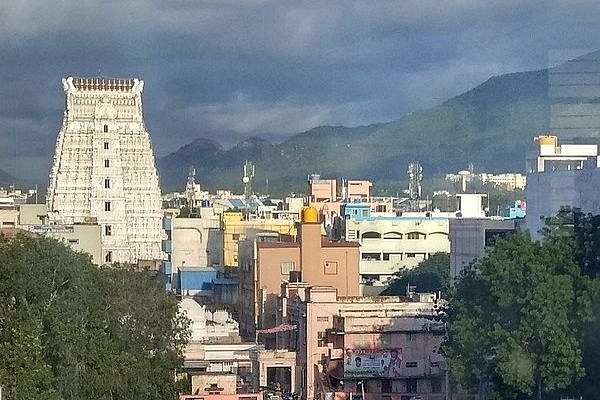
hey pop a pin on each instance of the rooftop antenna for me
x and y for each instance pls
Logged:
(247, 181)
(415, 176)
(190, 192)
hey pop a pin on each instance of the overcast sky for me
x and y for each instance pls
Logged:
(229, 70)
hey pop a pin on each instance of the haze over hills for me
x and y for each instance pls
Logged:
(490, 126)
(6, 178)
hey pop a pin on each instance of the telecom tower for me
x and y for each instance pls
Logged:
(190, 192)
(415, 176)
(247, 181)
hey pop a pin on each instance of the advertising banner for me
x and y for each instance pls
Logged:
(372, 363)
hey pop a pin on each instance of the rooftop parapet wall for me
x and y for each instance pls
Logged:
(103, 84)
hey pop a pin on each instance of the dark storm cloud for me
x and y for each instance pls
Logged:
(233, 69)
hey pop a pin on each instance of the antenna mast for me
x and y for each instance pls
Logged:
(190, 192)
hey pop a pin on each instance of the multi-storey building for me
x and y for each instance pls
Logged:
(191, 243)
(470, 238)
(561, 175)
(508, 181)
(234, 228)
(389, 243)
(215, 356)
(573, 89)
(313, 258)
(104, 168)
(377, 347)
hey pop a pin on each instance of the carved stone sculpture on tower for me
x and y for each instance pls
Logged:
(104, 170)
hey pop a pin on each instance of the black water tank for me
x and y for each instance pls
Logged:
(295, 276)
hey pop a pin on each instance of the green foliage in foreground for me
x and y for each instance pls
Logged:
(430, 275)
(517, 317)
(71, 330)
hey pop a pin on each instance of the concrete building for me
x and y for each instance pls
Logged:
(560, 175)
(507, 181)
(234, 228)
(84, 237)
(389, 243)
(321, 190)
(191, 243)
(470, 238)
(218, 362)
(214, 358)
(104, 168)
(573, 88)
(312, 258)
(207, 326)
(376, 347)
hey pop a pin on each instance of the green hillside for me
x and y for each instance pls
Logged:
(490, 126)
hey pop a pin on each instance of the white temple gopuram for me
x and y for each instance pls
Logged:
(104, 168)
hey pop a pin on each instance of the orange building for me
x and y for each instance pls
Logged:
(265, 263)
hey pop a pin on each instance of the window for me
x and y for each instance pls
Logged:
(322, 339)
(105, 128)
(236, 236)
(330, 268)
(411, 337)
(392, 235)
(371, 256)
(287, 266)
(371, 235)
(107, 184)
(106, 163)
(386, 256)
(108, 230)
(107, 206)
(436, 385)
(386, 386)
(105, 145)
(412, 364)
(411, 385)
(413, 235)
(108, 257)
(323, 319)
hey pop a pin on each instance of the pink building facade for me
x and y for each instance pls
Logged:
(379, 347)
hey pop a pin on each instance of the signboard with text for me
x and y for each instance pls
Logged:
(372, 363)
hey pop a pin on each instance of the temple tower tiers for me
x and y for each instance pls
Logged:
(104, 168)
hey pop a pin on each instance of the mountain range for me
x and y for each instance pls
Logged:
(6, 178)
(490, 126)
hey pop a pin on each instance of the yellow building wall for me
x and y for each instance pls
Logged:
(234, 228)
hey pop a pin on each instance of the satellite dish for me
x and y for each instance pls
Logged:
(245, 179)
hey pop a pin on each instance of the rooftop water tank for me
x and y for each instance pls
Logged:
(310, 215)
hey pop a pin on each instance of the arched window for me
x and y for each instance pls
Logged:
(415, 235)
(439, 235)
(371, 235)
(392, 235)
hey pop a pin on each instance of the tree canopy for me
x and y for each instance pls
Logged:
(71, 330)
(516, 317)
(430, 275)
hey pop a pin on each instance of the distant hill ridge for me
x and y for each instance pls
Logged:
(491, 126)
(6, 178)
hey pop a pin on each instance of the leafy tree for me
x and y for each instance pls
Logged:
(430, 275)
(515, 317)
(71, 330)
